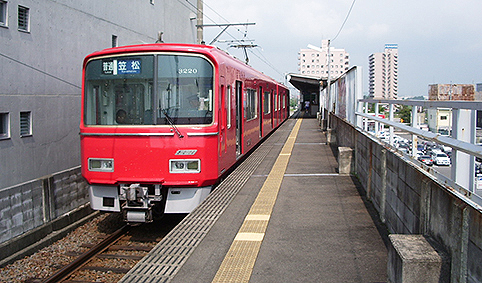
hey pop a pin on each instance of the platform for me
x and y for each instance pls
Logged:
(284, 215)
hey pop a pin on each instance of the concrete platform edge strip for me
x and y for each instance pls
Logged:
(153, 267)
(241, 257)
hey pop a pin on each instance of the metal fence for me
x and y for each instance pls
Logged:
(345, 99)
(462, 139)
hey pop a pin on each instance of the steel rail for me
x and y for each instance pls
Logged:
(85, 257)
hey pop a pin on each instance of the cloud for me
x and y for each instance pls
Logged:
(437, 38)
(378, 30)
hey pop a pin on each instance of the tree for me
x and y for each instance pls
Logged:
(405, 113)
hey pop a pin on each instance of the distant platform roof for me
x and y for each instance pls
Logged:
(307, 83)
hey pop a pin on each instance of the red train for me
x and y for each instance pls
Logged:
(161, 123)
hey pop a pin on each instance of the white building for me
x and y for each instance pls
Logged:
(43, 44)
(314, 63)
(440, 120)
(383, 73)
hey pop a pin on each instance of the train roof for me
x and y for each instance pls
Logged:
(217, 55)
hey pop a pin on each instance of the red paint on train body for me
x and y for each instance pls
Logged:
(161, 123)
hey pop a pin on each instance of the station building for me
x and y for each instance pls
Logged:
(41, 55)
(313, 73)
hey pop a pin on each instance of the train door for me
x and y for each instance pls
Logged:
(275, 112)
(278, 116)
(272, 109)
(239, 117)
(260, 111)
(278, 107)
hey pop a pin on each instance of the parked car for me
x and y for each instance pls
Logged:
(418, 154)
(420, 147)
(426, 159)
(433, 152)
(478, 168)
(440, 158)
(446, 149)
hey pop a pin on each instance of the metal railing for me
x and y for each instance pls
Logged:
(462, 139)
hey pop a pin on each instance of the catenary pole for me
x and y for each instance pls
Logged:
(328, 87)
(200, 22)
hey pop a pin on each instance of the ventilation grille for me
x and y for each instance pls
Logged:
(25, 129)
(23, 18)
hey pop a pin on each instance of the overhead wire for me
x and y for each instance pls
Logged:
(194, 9)
(40, 71)
(219, 15)
(266, 61)
(344, 22)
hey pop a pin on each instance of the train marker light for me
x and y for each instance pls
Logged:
(101, 165)
(184, 166)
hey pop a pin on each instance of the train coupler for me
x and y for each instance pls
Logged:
(138, 202)
(138, 216)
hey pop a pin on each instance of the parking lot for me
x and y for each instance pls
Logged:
(431, 154)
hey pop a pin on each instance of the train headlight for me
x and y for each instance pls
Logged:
(179, 165)
(101, 164)
(185, 166)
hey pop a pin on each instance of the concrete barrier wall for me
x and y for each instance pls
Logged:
(409, 201)
(33, 204)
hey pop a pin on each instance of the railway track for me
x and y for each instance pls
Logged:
(83, 259)
(109, 259)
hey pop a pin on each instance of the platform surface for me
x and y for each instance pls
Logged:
(318, 230)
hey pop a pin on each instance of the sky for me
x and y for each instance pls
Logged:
(438, 40)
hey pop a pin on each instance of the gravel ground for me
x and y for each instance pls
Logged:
(43, 263)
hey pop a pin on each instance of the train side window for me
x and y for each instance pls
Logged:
(228, 107)
(275, 101)
(250, 110)
(267, 102)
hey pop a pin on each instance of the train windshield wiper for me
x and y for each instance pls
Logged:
(171, 122)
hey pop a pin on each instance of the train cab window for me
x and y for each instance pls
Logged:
(185, 90)
(118, 91)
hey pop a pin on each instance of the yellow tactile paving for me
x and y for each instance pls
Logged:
(241, 257)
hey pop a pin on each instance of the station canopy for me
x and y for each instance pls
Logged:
(307, 83)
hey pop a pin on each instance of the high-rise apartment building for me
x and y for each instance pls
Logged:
(313, 62)
(383, 73)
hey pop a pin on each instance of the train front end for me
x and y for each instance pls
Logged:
(148, 130)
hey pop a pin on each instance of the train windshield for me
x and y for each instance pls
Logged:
(149, 90)
(185, 87)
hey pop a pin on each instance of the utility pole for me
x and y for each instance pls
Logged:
(200, 22)
(329, 104)
(328, 87)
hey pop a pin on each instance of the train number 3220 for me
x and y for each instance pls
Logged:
(187, 71)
